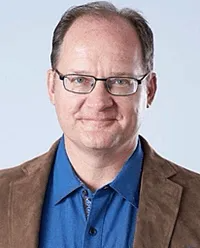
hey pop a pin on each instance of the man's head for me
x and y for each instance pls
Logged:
(98, 40)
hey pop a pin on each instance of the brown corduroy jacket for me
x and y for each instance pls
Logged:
(169, 207)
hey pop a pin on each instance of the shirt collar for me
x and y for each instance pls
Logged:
(127, 182)
(65, 180)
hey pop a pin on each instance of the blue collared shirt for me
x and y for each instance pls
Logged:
(111, 213)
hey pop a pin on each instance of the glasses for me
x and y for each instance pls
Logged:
(84, 84)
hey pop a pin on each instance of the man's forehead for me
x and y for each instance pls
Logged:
(94, 24)
(95, 32)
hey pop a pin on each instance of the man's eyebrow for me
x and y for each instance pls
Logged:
(112, 74)
(79, 72)
(123, 74)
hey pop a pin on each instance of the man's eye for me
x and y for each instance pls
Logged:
(120, 81)
(79, 80)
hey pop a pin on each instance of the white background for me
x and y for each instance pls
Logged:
(28, 124)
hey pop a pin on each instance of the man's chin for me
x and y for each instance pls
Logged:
(99, 142)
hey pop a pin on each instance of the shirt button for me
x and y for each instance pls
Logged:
(84, 192)
(106, 187)
(92, 231)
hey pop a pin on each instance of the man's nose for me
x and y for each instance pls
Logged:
(100, 98)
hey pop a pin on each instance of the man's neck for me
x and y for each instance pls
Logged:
(97, 168)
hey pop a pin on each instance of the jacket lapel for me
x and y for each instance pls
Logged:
(159, 202)
(29, 191)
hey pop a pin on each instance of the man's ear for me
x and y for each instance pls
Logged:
(151, 88)
(51, 85)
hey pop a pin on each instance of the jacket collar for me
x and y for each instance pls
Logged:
(159, 201)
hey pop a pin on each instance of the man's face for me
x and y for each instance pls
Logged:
(99, 120)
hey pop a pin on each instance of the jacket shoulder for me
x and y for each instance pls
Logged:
(27, 167)
(185, 171)
(167, 168)
(19, 170)
(187, 178)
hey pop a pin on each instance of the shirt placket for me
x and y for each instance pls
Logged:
(87, 201)
(96, 209)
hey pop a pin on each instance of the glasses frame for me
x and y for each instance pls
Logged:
(62, 78)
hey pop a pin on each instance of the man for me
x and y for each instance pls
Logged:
(101, 184)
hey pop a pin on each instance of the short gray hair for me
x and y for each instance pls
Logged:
(105, 9)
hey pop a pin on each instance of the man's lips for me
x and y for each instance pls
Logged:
(97, 119)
